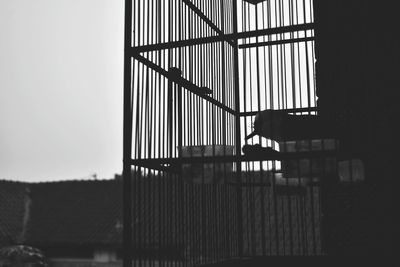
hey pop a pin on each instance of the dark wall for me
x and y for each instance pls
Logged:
(357, 77)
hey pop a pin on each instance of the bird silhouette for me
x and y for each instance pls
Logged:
(278, 125)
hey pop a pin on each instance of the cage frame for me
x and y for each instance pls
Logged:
(133, 52)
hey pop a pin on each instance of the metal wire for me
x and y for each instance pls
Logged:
(251, 58)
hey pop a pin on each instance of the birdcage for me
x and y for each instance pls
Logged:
(196, 74)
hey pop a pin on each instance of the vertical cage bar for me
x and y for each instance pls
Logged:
(127, 140)
(237, 129)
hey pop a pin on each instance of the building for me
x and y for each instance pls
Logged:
(71, 221)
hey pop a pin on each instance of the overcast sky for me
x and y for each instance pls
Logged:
(61, 76)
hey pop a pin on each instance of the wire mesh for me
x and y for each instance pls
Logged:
(199, 70)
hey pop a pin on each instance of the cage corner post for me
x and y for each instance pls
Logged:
(127, 139)
(237, 130)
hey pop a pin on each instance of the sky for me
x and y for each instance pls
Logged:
(61, 89)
